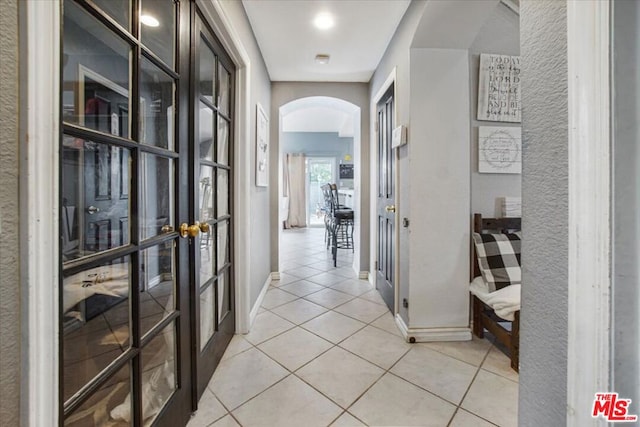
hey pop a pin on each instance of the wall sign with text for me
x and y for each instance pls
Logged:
(499, 88)
(499, 149)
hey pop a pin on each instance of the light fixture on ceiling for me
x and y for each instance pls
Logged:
(323, 21)
(149, 21)
(322, 58)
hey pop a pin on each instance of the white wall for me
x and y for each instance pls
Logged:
(439, 149)
(355, 93)
(441, 196)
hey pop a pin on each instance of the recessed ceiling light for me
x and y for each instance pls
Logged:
(149, 21)
(323, 21)
(322, 58)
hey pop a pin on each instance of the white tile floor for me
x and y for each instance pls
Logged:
(325, 350)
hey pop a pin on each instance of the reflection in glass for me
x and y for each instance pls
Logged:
(158, 373)
(157, 29)
(206, 316)
(95, 197)
(223, 141)
(95, 321)
(157, 194)
(207, 214)
(207, 72)
(109, 406)
(205, 135)
(207, 184)
(224, 96)
(157, 285)
(223, 192)
(156, 106)
(224, 293)
(117, 9)
(223, 244)
(95, 67)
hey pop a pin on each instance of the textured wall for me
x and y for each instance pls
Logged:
(260, 87)
(626, 168)
(543, 351)
(9, 246)
(501, 35)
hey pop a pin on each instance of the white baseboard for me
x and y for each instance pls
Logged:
(263, 292)
(432, 334)
(275, 275)
(363, 275)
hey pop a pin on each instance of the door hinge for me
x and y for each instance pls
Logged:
(376, 265)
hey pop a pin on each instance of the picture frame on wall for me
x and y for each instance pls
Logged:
(499, 88)
(500, 149)
(262, 147)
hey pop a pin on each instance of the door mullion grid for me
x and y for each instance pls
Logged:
(136, 203)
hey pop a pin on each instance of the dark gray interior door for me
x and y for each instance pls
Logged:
(386, 211)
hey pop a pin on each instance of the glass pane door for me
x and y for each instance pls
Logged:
(320, 171)
(123, 317)
(212, 155)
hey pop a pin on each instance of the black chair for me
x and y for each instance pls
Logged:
(341, 225)
(327, 210)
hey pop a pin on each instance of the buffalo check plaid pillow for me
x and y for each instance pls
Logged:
(499, 259)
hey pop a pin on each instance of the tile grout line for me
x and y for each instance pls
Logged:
(459, 405)
(333, 345)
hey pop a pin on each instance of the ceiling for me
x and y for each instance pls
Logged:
(289, 41)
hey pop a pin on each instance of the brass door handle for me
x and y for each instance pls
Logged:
(390, 208)
(187, 230)
(204, 227)
(166, 229)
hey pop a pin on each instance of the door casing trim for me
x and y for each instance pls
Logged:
(589, 346)
(39, 189)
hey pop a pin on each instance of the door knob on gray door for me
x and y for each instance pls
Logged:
(93, 210)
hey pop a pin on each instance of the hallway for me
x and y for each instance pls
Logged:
(324, 350)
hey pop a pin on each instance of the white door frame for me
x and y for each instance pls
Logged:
(373, 210)
(40, 194)
(39, 257)
(589, 289)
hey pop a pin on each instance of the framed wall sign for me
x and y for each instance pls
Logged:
(499, 149)
(262, 147)
(499, 88)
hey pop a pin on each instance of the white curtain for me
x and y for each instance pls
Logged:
(295, 190)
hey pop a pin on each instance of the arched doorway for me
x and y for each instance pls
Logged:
(326, 131)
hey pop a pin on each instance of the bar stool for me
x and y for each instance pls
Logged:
(342, 224)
